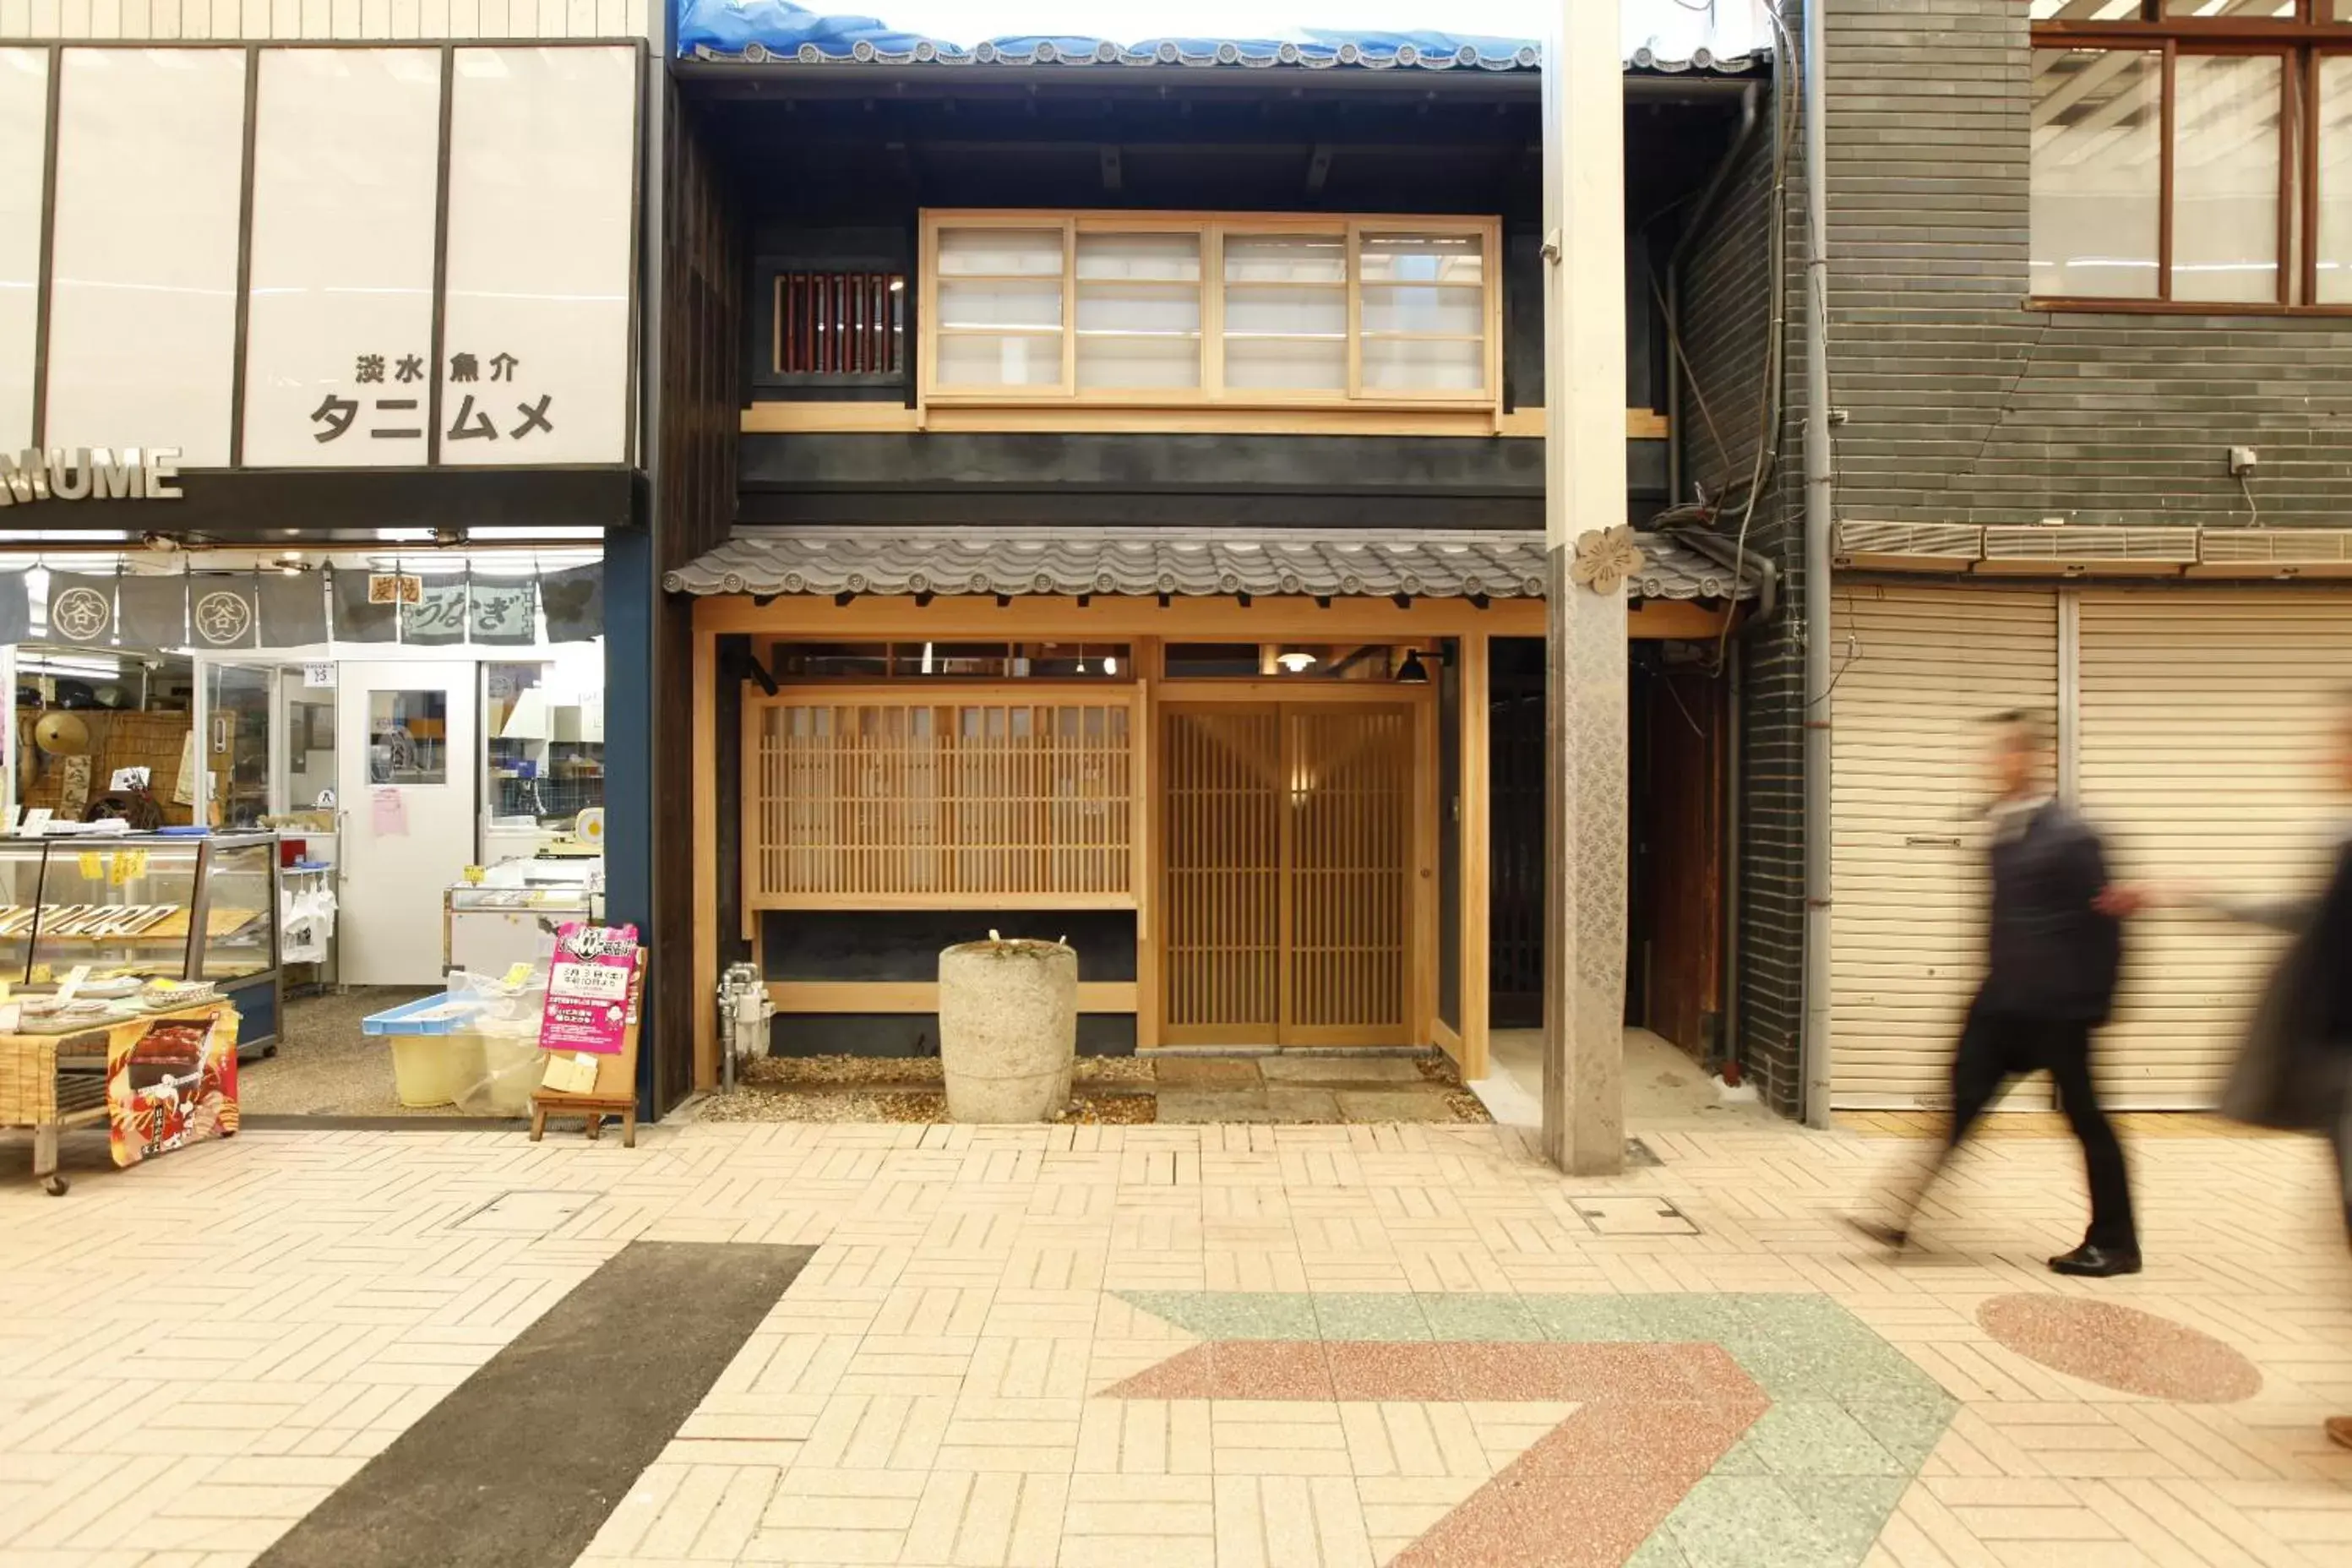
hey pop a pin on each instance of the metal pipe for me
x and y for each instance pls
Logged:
(1737, 557)
(1701, 212)
(1727, 1037)
(1813, 1044)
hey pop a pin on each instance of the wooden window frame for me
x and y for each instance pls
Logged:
(1131, 699)
(1213, 228)
(2299, 43)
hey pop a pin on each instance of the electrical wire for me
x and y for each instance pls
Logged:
(1771, 432)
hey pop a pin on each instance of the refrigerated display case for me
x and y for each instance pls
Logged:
(160, 906)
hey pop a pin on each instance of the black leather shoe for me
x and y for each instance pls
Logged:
(1892, 1237)
(2088, 1262)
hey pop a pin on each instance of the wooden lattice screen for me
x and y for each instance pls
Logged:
(867, 800)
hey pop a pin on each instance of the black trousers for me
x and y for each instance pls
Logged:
(1995, 1048)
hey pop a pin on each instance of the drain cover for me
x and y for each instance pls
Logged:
(525, 1212)
(1620, 1215)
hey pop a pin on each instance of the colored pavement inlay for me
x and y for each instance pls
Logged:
(1704, 1431)
(520, 1464)
(2120, 1348)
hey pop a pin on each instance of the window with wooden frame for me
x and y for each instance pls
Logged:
(1157, 311)
(2192, 155)
(898, 798)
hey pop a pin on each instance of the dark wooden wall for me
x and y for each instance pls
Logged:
(698, 361)
(1678, 871)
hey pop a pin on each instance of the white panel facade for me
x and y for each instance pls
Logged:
(536, 337)
(24, 139)
(142, 315)
(338, 346)
(348, 20)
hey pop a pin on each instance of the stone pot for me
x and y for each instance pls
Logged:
(1008, 1028)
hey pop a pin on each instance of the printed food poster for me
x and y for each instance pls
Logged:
(588, 989)
(170, 1082)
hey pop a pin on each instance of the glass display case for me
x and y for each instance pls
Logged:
(157, 906)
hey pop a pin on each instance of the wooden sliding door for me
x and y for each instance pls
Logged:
(1286, 844)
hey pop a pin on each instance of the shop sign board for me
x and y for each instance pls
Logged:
(89, 473)
(588, 989)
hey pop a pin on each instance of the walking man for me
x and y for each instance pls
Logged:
(2294, 1069)
(2056, 945)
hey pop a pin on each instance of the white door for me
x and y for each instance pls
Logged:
(407, 768)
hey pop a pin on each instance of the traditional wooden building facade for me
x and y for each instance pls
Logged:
(1136, 535)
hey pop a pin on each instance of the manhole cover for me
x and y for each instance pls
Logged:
(1616, 1215)
(525, 1212)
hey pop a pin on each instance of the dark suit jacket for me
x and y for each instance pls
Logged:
(2053, 956)
(2295, 1069)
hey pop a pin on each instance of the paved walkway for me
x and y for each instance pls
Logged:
(1245, 1345)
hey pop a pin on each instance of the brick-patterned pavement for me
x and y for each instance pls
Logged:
(1216, 1345)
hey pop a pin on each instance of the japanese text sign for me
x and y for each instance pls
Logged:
(588, 989)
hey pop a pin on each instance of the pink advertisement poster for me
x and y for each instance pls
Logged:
(588, 989)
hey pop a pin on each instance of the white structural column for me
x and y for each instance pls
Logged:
(1587, 539)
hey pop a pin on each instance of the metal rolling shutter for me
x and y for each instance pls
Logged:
(2204, 756)
(1918, 668)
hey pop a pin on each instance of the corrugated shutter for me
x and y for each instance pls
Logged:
(1917, 669)
(2204, 746)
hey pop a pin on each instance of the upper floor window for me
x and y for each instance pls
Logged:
(1139, 310)
(2192, 153)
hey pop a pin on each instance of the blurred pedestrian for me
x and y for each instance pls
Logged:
(2294, 1070)
(2054, 946)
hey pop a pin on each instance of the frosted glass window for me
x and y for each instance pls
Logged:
(1158, 363)
(1286, 259)
(1423, 259)
(1001, 252)
(999, 313)
(1422, 365)
(1286, 364)
(1388, 308)
(979, 359)
(142, 301)
(999, 302)
(1138, 310)
(1285, 304)
(345, 175)
(1286, 310)
(2334, 241)
(1162, 258)
(1422, 308)
(536, 341)
(24, 139)
(2225, 177)
(2096, 172)
(2264, 10)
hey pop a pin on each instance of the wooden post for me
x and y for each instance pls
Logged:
(1585, 659)
(1475, 830)
(1149, 857)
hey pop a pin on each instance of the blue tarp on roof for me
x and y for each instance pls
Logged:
(758, 30)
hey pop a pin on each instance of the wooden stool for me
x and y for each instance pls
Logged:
(594, 1108)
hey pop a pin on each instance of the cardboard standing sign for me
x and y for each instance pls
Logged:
(581, 1079)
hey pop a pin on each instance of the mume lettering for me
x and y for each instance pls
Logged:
(89, 473)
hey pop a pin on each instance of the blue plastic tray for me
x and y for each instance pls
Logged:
(403, 1020)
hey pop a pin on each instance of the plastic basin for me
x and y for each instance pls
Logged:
(437, 1054)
